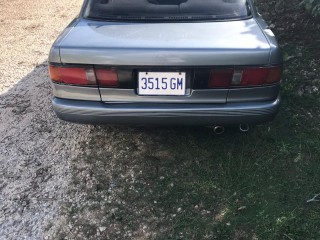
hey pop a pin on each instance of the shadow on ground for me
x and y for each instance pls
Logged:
(35, 151)
(150, 183)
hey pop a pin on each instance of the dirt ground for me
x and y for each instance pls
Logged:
(34, 146)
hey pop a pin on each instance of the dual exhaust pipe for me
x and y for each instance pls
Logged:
(219, 130)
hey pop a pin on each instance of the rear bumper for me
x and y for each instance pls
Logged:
(165, 114)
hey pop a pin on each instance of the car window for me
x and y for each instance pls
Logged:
(170, 10)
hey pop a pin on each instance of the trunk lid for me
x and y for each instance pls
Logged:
(165, 44)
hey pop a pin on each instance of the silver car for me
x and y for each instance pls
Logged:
(171, 62)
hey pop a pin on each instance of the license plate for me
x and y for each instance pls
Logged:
(162, 83)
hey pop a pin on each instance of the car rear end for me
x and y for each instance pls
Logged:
(156, 66)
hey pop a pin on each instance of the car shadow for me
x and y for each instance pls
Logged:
(147, 182)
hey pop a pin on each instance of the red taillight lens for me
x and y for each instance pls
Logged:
(254, 76)
(261, 76)
(275, 75)
(84, 76)
(107, 77)
(72, 75)
(245, 77)
(220, 78)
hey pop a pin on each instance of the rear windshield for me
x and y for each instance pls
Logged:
(168, 10)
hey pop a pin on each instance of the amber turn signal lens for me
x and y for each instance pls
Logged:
(54, 73)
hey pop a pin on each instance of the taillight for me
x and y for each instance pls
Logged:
(220, 78)
(73, 75)
(107, 77)
(254, 76)
(275, 75)
(244, 77)
(83, 76)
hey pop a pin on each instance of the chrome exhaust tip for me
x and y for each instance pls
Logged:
(218, 130)
(244, 127)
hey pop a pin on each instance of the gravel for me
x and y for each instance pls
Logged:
(35, 147)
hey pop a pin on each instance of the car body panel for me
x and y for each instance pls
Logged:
(256, 94)
(165, 114)
(275, 52)
(54, 55)
(158, 44)
(76, 92)
(196, 96)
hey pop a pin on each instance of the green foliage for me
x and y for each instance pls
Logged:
(312, 6)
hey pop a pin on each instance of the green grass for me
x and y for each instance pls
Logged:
(271, 173)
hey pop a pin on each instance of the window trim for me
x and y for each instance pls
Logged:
(123, 20)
